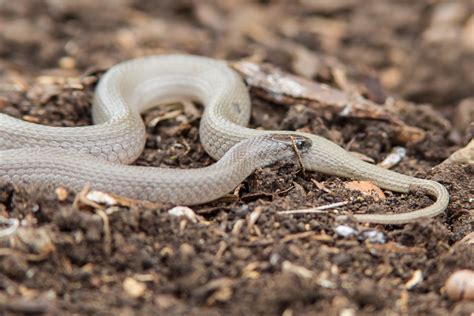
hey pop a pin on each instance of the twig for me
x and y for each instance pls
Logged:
(253, 218)
(298, 236)
(28, 256)
(237, 228)
(321, 186)
(107, 235)
(220, 252)
(298, 155)
(26, 306)
(81, 196)
(314, 210)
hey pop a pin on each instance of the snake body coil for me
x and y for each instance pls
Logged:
(118, 136)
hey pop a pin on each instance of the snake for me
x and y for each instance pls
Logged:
(101, 153)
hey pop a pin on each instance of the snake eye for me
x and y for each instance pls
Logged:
(302, 143)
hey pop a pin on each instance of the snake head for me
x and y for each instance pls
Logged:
(266, 149)
(297, 142)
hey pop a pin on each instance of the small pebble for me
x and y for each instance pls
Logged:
(241, 253)
(242, 210)
(373, 236)
(187, 250)
(460, 285)
(67, 62)
(133, 287)
(345, 231)
(347, 312)
(61, 194)
(397, 154)
(274, 259)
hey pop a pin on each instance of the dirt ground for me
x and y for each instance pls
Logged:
(242, 257)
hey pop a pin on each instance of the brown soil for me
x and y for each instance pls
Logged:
(280, 265)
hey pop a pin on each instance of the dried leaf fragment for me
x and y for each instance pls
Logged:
(367, 188)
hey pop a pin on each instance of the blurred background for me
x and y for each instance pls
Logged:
(420, 50)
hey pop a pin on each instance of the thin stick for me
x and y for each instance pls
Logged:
(298, 155)
(107, 234)
(314, 210)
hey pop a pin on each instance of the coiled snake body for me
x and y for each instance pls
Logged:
(64, 155)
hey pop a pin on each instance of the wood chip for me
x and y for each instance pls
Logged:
(416, 279)
(296, 269)
(394, 158)
(275, 85)
(464, 155)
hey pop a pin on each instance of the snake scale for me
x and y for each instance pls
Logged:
(100, 153)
